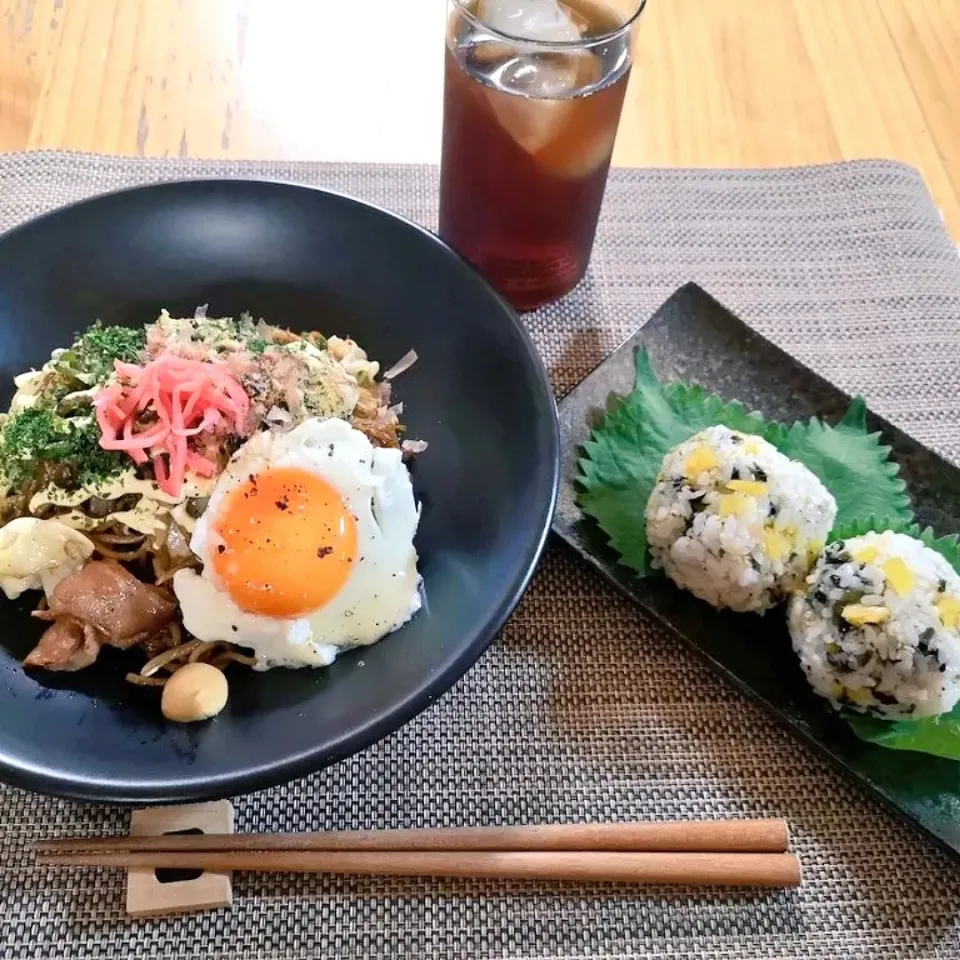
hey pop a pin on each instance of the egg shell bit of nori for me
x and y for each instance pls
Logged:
(624, 454)
(735, 522)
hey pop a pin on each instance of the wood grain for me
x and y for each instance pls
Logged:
(717, 82)
(689, 869)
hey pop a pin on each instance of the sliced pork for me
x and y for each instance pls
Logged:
(105, 595)
(67, 645)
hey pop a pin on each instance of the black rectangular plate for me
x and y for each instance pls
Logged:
(694, 338)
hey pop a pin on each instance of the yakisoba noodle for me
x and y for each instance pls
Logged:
(119, 441)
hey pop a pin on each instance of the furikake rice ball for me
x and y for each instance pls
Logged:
(734, 521)
(877, 628)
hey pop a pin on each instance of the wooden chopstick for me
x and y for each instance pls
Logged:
(716, 853)
(711, 869)
(695, 836)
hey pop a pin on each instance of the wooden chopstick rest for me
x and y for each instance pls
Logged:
(147, 896)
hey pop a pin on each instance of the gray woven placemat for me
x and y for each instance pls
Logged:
(583, 709)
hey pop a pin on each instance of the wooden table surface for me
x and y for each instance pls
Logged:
(717, 82)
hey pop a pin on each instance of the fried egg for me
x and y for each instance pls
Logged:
(307, 547)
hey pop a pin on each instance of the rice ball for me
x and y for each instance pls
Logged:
(877, 628)
(734, 521)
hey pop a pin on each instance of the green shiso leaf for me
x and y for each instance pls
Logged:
(948, 547)
(625, 453)
(872, 524)
(852, 464)
(939, 736)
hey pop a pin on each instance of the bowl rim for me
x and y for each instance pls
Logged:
(433, 687)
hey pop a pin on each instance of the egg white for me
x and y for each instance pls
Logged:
(382, 591)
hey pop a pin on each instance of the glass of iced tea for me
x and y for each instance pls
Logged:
(532, 99)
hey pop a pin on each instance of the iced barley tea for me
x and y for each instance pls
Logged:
(528, 131)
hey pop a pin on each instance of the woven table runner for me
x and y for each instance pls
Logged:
(583, 709)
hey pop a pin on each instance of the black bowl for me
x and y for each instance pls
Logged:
(306, 259)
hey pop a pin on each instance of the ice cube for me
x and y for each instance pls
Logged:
(533, 124)
(533, 102)
(544, 76)
(578, 152)
(488, 52)
(560, 131)
(546, 20)
(534, 96)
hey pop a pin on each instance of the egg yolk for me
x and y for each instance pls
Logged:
(287, 543)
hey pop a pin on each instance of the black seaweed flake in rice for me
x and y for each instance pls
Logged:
(941, 586)
(772, 511)
(734, 474)
(888, 699)
(759, 474)
(678, 483)
(819, 596)
(836, 554)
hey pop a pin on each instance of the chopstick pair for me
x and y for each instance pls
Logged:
(715, 853)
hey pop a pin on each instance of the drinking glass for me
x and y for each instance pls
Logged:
(533, 93)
